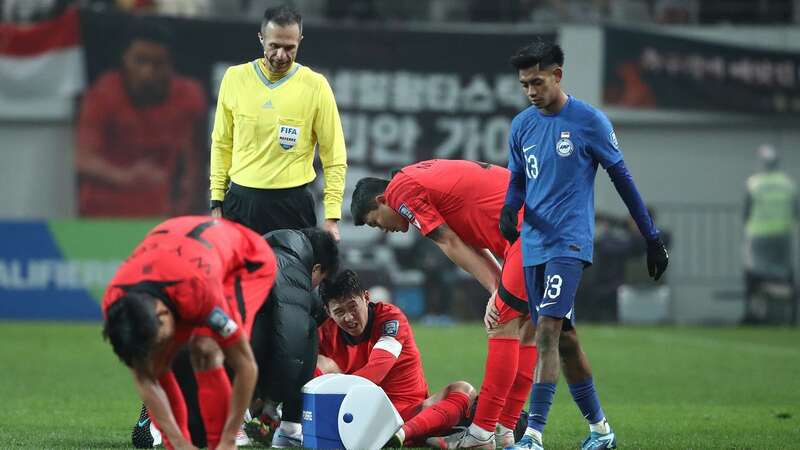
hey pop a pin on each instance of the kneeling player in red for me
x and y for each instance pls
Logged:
(197, 280)
(375, 341)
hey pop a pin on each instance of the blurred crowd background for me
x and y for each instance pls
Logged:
(694, 88)
(626, 12)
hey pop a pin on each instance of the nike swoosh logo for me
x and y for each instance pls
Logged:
(547, 304)
(142, 423)
(525, 149)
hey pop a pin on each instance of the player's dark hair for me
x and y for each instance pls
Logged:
(282, 15)
(541, 53)
(363, 200)
(326, 250)
(143, 29)
(132, 327)
(344, 285)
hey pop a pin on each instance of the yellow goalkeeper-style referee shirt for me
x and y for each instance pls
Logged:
(265, 132)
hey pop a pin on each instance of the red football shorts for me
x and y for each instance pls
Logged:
(512, 298)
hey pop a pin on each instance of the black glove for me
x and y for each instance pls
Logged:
(657, 258)
(508, 223)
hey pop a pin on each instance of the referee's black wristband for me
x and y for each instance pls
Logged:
(216, 204)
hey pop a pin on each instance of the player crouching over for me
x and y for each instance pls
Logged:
(199, 281)
(375, 341)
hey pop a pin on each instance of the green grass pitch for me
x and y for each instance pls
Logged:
(678, 388)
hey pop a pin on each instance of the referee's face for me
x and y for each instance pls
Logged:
(280, 44)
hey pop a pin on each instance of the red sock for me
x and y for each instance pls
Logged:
(501, 367)
(521, 388)
(177, 403)
(441, 416)
(214, 396)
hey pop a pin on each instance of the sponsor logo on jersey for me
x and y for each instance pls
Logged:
(613, 137)
(565, 135)
(287, 136)
(564, 146)
(390, 328)
(406, 212)
(221, 323)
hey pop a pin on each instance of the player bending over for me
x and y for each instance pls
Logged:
(375, 341)
(197, 280)
(457, 204)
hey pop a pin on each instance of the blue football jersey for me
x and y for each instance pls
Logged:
(558, 155)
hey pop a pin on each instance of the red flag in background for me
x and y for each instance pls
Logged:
(41, 68)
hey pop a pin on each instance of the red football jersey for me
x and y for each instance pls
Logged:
(466, 195)
(210, 272)
(388, 329)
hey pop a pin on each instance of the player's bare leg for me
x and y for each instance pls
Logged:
(548, 334)
(438, 413)
(573, 360)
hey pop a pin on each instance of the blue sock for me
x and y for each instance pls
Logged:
(586, 398)
(541, 400)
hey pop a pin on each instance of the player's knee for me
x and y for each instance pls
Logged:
(205, 353)
(463, 387)
(508, 329)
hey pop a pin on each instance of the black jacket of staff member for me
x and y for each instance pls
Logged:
(284, 339)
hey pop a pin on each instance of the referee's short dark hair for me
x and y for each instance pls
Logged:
(282, 15)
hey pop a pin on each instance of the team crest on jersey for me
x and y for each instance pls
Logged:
(613, 137)
(564, 146)
(406, 212)
(390, 328)
(221, 323)
(287, 136)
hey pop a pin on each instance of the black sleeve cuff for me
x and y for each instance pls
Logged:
(216, 204)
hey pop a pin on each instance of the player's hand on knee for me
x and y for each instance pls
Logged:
(492, 316)
(657, 258)
(508, 224)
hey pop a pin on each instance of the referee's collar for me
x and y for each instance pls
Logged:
(274, 84)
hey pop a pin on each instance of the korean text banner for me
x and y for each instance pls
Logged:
(656, 71)
(403, 94)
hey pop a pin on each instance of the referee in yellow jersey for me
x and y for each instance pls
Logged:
(271, 112)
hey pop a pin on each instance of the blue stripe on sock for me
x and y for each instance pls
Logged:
(586, 398)
(541, 400)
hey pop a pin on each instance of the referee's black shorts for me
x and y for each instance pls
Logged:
(265, 210)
